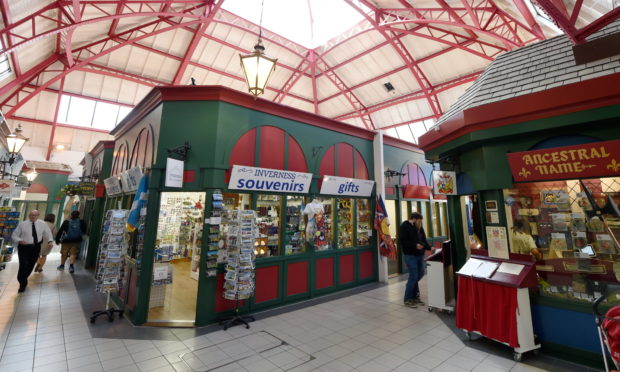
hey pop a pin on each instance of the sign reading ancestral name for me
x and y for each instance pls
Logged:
(598, 159)
(174, 172)
(87, 188)
(346, 186)
(264, 179)
(112, 186)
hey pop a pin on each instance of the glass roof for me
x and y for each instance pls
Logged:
(307, 22)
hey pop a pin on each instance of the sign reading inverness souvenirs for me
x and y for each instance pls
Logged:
(598, 159)
(251, 178)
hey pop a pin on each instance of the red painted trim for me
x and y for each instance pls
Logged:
(366, 266)
(345, 160)
(267, 279)
(297, 278)
(347, 268)
(568, 99)
(324, 273)
(271, 147)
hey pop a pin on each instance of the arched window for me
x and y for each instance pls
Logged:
(95, 169)
(120, 160)
(343, 160)
(142, 152)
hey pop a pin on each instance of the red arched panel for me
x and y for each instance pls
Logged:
(327, 166)
(37, 188)
(140, 155)
(361, 171)
(120, 160)
(271, 147)
(345, 160)
(243, 153)
(413, 176)
(296, 158)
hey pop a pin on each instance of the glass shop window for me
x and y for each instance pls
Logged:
(435, 219)
(364, 223)
(294, 226)
(345, 222)
(571, 229)
(322, 219)
(269, 212)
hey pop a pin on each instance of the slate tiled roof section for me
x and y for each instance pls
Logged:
(534, 68)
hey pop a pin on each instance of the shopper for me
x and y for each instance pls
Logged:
(49, 220)
(522, 242)
(29, 236)
(413, 243)
(70, 234)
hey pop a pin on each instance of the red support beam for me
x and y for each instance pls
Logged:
(59, 125)
(58, 99)
(28, 75)
(114, 25)
(292, 80)
(6, 20)
(529, 18)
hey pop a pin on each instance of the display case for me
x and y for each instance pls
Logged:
(294, 226)
(364, 229)
(9, 219)
(345, 223)
(574, 227)
(269, 208)
(324, 233)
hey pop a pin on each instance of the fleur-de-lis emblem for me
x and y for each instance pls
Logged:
(524, 173)
(614, 165)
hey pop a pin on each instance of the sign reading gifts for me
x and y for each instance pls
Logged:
(264, 179)
(597, 159)
(346, 186)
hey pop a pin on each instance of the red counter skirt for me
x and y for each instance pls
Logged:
(488, 308)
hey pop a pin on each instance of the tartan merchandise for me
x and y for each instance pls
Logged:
(382, 225)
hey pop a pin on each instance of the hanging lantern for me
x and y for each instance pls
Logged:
(257, 69)
(15, 142)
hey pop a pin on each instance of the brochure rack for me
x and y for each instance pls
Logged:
(493, 301)
(239, 278)
(9, 219)
(112, 249)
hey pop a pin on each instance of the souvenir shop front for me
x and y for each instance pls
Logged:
(540, 173)
(309, 179)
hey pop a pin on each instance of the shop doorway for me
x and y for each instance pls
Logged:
(177, 258)
(393, 267)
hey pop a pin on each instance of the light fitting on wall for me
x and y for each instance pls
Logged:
(31, 176)
(257, 67)
(15, 141)
(392, 173)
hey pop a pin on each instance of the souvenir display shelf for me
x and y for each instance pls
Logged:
(323, 234)
(9, 219)
(241, 239)
(110, 268)
(295, 226)
(364, 230)
(345, 222)
(487, 288)
(268, 209)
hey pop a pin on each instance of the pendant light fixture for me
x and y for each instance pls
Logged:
(257, 67)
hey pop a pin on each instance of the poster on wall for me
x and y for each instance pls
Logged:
(265, 179)
(174, 173)
(444, 183)
(333, 185)
(112, 186)
(497, 241)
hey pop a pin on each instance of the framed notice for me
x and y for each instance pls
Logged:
(497, 242)
(174, 173)
(490, 205)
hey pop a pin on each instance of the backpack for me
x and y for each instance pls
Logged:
(74, 231)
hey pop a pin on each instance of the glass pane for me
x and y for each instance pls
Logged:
(324, 234)
(105, 116)
(444, 219)
(295, 226)
(80, 112)
(426, 214)
(268, 208)
(345, 222)
(177, 257)
(435, 218)
(390, 205)
(364, 230)
(404, 213)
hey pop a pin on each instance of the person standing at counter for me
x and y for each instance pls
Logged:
(413, 243)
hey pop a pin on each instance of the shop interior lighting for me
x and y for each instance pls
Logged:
(257, 68)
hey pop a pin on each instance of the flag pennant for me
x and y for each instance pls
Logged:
(138, 202)
(382, 225)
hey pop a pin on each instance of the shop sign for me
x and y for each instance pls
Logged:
(87, 188)
(174, 172)
(6, 187)
(599, 159)
(444, 183)
(264, 179)
(112, 186)
(131, 179)
(333, 185)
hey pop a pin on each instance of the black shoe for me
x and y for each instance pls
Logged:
(71, 269)
(21, 289)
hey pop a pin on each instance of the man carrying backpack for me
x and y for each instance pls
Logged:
(70, 234)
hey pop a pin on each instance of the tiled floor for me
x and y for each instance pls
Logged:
(46, 329)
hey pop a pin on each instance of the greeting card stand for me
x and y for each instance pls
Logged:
(109, 311)
(233, 320)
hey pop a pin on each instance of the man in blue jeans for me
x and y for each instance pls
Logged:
(413, 243)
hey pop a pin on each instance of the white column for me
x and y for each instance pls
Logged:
(377, 145)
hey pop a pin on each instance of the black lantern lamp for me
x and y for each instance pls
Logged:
(257, 67)
(15, 141)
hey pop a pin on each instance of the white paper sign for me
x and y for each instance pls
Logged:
(486, 269)
(444, 183)
(112, 186)
(174, 172)
(470, 266)
(160, 273)
(131, 179)
(333, 185)
(264, 179)
(510, 268)
(497, 242)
